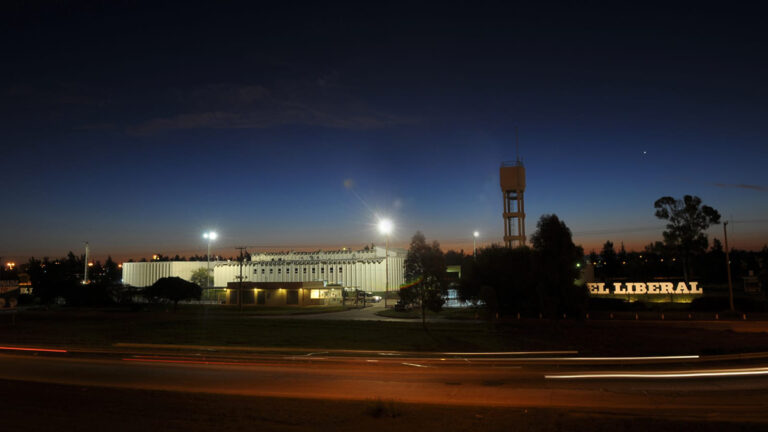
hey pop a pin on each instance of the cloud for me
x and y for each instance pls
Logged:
(742, 186)
(224, 106)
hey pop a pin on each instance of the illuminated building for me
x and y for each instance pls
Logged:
(363, 269)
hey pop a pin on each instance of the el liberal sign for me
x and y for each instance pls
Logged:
(667, 288)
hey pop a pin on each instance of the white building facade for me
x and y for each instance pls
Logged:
(364, 269)
(143, 274)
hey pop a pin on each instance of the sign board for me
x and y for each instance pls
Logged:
(645, 288)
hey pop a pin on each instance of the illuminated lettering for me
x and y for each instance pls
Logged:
(617, 289)
(667, 288)
(694, 288)
(681, 288)
(597, 288)
(645, 288)
(640, 288)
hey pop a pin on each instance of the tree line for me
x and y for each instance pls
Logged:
(541, 279)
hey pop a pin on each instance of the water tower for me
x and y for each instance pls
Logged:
(512, 180)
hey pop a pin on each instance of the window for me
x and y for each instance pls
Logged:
(322, 270)
(262, 271)
(340, 269)
(330, 270)
(296, 270)
(313, 270)
(279, 271)
(305, 270)
(271, 270)
(317, 294)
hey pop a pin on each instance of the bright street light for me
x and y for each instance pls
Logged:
(210, 235)
(385, 227)
(475, 235)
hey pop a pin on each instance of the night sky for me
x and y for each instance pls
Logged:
(137, 127)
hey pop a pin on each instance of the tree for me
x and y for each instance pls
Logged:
(453, 257)
(425, 264)
(610, 260)
(173, 289)
(502, 278)
(559, 261)
(687, 222)
(200, 277)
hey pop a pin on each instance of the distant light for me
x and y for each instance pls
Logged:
(211, 235)
(154, 257)
(385, 226)
(476, 234)
(90, 264)
(578, 265)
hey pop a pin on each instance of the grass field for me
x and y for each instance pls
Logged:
(217, 327)
(451, 314)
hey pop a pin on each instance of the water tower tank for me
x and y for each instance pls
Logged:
(512, 181)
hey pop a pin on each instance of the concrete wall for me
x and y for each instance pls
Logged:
(142, 274)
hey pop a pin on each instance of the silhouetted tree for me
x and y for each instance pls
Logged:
(558, 267)
(687, 222)
(454, 258)
(426, 264)
(503, 278)
(610, 261)
(174, 289)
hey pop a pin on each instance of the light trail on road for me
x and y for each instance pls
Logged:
(8, 348)
(706, 373)
(512, 381)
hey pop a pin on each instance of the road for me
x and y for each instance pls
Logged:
(724, 387)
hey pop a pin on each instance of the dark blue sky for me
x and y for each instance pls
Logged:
(137, 127)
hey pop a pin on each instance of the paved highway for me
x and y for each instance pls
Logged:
(724, 387)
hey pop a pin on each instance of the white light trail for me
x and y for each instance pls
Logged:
(510, 353)
(711, 373)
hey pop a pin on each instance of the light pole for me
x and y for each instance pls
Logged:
(85, 272)
(385, 227)
(728, 265)
(210, 235)
(475, 235)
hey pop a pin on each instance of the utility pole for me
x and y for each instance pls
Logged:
(240, 279)
(85, 273)
(386, 273)
(728, 265)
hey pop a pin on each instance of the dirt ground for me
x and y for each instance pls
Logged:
(47, 407)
